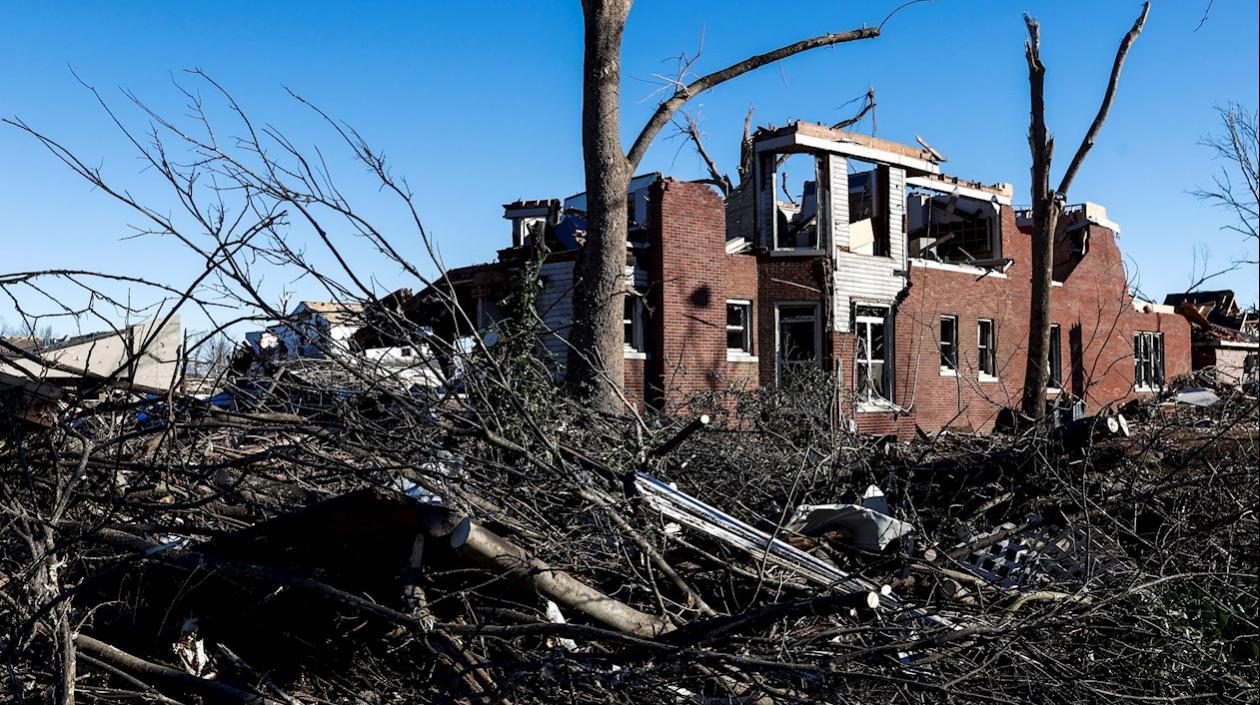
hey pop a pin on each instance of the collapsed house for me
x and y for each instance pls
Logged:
(36, 378)
(853, 255)
(336, 350)
(1225, 338)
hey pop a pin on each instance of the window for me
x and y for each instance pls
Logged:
(1148, 358)
(986, 348)
(632, 322)
(872, 378)
(739, 327)
(1056, 359)
(949, 344)
(951, 228)
(799, 342)
(794, 218)
(868, 222)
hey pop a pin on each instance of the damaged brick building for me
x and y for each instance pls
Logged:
(911, 287)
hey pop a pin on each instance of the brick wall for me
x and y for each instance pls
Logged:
(692, 277)
(688, 350)
(789, 279)
(1094, 312)
(740, 283)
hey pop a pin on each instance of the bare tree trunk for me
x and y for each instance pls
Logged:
(1048, 204)
(1045, 219)
(596, 364)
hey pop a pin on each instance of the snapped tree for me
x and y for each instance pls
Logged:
(596, 368)
(1047, 205)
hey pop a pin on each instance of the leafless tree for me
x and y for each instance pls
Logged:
(1235, 188)
(597, 370)
(1047, 204)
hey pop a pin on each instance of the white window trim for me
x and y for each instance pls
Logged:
(877, 406)
(637, 324)
(778, 324)
(877, 403)
(959, 268)
(982, 375)
(775, 249)
(1147, 388)
(948, 371)
(740, 354)
(1050, 389)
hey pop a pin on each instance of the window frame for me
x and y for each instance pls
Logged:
(779, 361)
(1054, 360)
(1148, 349)
(769, 166)
(950, 369)
(869, 399)
(746, 352)
(633, 346)
(986, 351)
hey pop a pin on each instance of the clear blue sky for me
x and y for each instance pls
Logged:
(479, 104)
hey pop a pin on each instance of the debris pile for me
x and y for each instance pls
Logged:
(294, 537)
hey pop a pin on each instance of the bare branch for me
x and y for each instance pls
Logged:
(669, 107)
(1112, 83)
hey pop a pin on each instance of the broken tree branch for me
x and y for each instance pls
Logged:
(1112, 83)
(692, 129)
(670, 106)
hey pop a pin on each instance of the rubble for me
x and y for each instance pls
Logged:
(870, 524)
(268, 550)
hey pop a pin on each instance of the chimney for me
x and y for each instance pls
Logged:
(530, 218)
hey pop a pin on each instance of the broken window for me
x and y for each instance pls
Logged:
(1056, 359)
(799, 337)
(632, 322)
(873, 372)
(949, 343)
(1148, 357)
(489, 312)
(986, 347)
(951, 228)
(795, 215)
(868, 222)
(739, 327)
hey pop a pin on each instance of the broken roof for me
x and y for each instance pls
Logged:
(801, 136)
(1224, 298)
(334, 311)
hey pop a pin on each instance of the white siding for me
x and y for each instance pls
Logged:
(865, 278)
(764, 179)
(555, 307)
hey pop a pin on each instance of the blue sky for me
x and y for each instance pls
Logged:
(480, 104)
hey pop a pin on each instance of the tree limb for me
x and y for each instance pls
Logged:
(1110, 95)
(670, 106)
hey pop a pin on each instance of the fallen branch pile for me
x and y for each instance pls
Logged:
(388, 548)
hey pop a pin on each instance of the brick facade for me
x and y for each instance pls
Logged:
(700, 251)
(1092, 308)
(692, 277)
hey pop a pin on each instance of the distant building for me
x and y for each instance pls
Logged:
(141, 358)
(331, 340)
(1224, 336)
